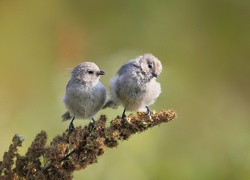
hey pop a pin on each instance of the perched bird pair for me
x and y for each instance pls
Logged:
(135, 88)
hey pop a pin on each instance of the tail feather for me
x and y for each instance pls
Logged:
(66, 116)
(110, 104)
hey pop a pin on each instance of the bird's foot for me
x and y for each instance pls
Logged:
(149, 112)
(92, 124)
(71, 125)
(123, 116)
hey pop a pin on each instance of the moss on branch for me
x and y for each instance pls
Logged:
(76, 150)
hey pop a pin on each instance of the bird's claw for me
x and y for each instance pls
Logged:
(92, 124)
(149, 112)
(71, 127)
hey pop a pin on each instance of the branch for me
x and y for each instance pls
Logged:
(74, 150)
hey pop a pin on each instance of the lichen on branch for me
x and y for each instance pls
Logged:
(74, 150)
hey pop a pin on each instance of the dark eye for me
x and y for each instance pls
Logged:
(150, 66)
(90, 72)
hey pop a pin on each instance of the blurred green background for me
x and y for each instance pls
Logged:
(204, 46)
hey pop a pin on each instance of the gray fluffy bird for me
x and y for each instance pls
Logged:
(135, 87)
(85, 94)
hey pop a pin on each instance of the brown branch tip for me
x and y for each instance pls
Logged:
(73, 150)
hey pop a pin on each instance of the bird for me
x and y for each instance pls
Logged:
(135, 86)
(85, 94)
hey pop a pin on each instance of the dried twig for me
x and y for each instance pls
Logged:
(74, 150)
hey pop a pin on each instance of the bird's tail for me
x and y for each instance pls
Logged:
(66, 116)
(110, 104)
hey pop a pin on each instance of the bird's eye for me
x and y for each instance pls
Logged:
(90, 72)
(150, 66)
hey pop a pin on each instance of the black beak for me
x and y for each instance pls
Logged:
(155, 75)
(100, 73)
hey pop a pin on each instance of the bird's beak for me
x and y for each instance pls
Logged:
(155, 75)
(100, 73)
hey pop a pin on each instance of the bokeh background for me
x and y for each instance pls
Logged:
(204, 46)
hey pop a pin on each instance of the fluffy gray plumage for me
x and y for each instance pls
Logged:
(135, 87)
(85, 94)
